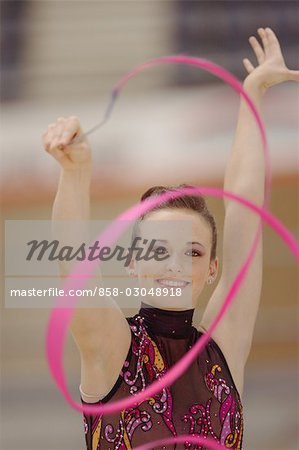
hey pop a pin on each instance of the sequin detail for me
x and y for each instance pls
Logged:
(218, 415)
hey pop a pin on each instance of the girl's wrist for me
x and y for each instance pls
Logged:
(254, 86)
(84, 169)
(79, 175)
(256, 90)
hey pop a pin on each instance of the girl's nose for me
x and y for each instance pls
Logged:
(173, 264)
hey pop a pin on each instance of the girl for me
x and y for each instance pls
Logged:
(121, 356)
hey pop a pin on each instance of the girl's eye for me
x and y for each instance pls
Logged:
(194, 253)
(160, 250)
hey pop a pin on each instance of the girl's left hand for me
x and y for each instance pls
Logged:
(271, 68)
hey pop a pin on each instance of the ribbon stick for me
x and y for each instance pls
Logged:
(60, 318)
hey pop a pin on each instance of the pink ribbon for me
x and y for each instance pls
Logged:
(61, 318)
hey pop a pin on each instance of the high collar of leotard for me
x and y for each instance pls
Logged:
(162, 322)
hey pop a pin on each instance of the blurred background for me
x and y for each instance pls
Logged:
(171, 124)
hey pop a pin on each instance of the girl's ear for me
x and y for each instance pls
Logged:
(214, 268)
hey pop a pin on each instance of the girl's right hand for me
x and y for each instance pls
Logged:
(57, 141)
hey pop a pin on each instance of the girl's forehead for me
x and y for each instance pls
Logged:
(175, 226)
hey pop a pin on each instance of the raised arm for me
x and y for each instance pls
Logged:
(245, 176)
(102, 334)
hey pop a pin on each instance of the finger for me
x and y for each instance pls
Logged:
(257, 48)
(48, 136)
(248, 66)
(263, 35)
(57, 135)
(71, 129)
(58, 130)
(57, 153)
(60, 124)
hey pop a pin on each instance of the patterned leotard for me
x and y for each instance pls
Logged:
(203, 402)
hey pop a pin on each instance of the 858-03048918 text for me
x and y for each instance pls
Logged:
(141, 292)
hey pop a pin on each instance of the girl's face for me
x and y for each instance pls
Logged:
(186, 239)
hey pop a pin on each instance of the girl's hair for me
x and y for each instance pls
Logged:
(192, 202)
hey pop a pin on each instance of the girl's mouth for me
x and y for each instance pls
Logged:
(167, 282)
